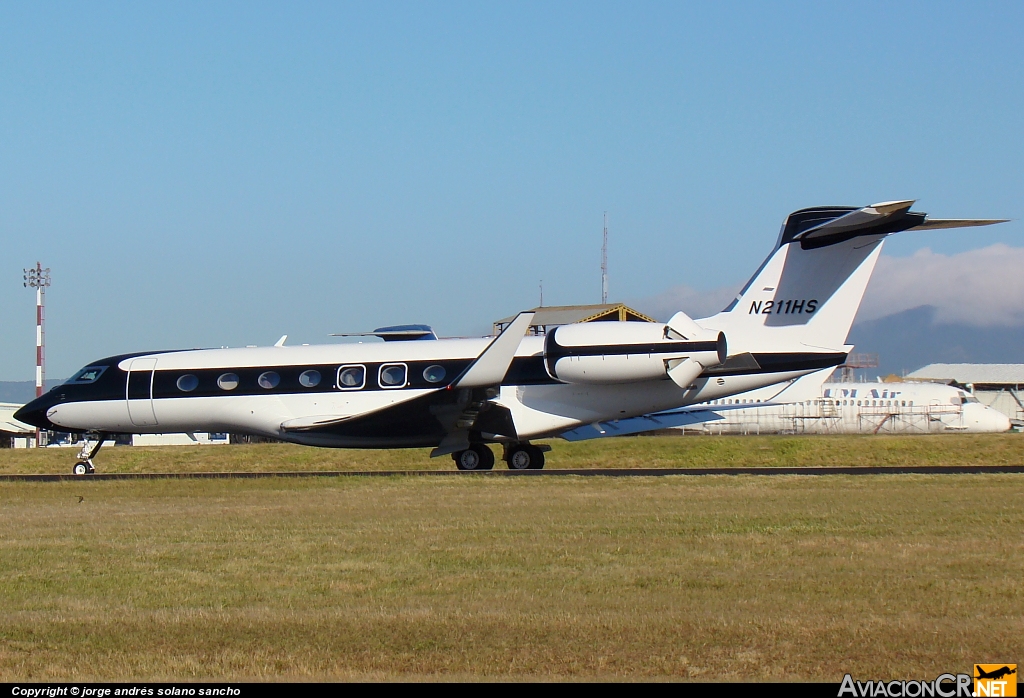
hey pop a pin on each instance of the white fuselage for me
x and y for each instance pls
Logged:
(539, 406)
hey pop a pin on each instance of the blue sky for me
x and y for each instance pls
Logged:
(215, 174)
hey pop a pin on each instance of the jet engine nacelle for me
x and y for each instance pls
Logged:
(627, 352)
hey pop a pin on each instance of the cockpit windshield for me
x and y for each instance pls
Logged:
(89, 374)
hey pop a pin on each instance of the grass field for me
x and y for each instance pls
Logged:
(629, 452)
(745, 577)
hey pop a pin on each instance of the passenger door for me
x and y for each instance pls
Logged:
(140, 392)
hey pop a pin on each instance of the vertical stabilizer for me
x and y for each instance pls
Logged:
(807, 293)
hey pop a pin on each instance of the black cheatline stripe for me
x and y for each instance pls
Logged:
(583, 472)
(623, 349)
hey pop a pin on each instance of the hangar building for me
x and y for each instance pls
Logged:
(1000, 386)
(11, 429)
(554, 315)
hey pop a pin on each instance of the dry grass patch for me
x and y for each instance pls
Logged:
(743, 577)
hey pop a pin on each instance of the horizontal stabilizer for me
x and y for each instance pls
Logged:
(940, 223)
(829, 225)
(395, 333)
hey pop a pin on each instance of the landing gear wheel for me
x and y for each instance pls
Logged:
(476, 457)
(84, 465)
(525, 457)
(536, 457)
(519, 458)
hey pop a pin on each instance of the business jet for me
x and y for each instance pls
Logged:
(459, 395)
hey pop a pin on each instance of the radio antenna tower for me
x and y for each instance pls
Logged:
(39, 278)
(604, 262)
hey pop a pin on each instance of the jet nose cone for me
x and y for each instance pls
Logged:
(34, 413)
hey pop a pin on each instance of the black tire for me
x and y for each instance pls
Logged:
(486, 456)
(520, 458)
(536, 458)
(466, 460)
(81, 469)
(476, 457)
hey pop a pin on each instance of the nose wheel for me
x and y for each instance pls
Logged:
(83, 468)
(84, 465)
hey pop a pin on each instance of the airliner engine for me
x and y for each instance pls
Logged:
(624, 352)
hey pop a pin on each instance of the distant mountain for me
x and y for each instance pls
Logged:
(909, 340)
(21, 392)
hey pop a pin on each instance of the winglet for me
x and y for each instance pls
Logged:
(280, 342)
(492, 365)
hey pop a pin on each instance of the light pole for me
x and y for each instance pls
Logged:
(39, 278)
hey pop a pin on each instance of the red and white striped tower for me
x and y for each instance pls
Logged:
(39, 278)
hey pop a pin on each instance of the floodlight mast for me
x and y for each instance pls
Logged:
(39, 278)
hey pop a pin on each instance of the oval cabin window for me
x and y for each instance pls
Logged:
(309, 379)
(228, 381)
(434, 374)
(188, 383)
(351, 377)
(268, 380)
(392, 375)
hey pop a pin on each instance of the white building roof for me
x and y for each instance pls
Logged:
(9, 424)
(983, 374)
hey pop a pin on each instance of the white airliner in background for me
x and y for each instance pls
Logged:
(810, 406)
(458, 395)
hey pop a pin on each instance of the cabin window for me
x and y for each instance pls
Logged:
(351, 377)
(434, 374)
(309, 379)
(392, 376)
(228, 381)
(903, 403)
(268, 380)
(188, 383)
(89, 374)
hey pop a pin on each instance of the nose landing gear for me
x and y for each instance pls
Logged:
(84, 465)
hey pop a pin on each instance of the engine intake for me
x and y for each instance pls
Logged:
(626, 352)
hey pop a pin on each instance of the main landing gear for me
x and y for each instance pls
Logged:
(518, 456)
(476, 457)
(84, 465)
(525, 456)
